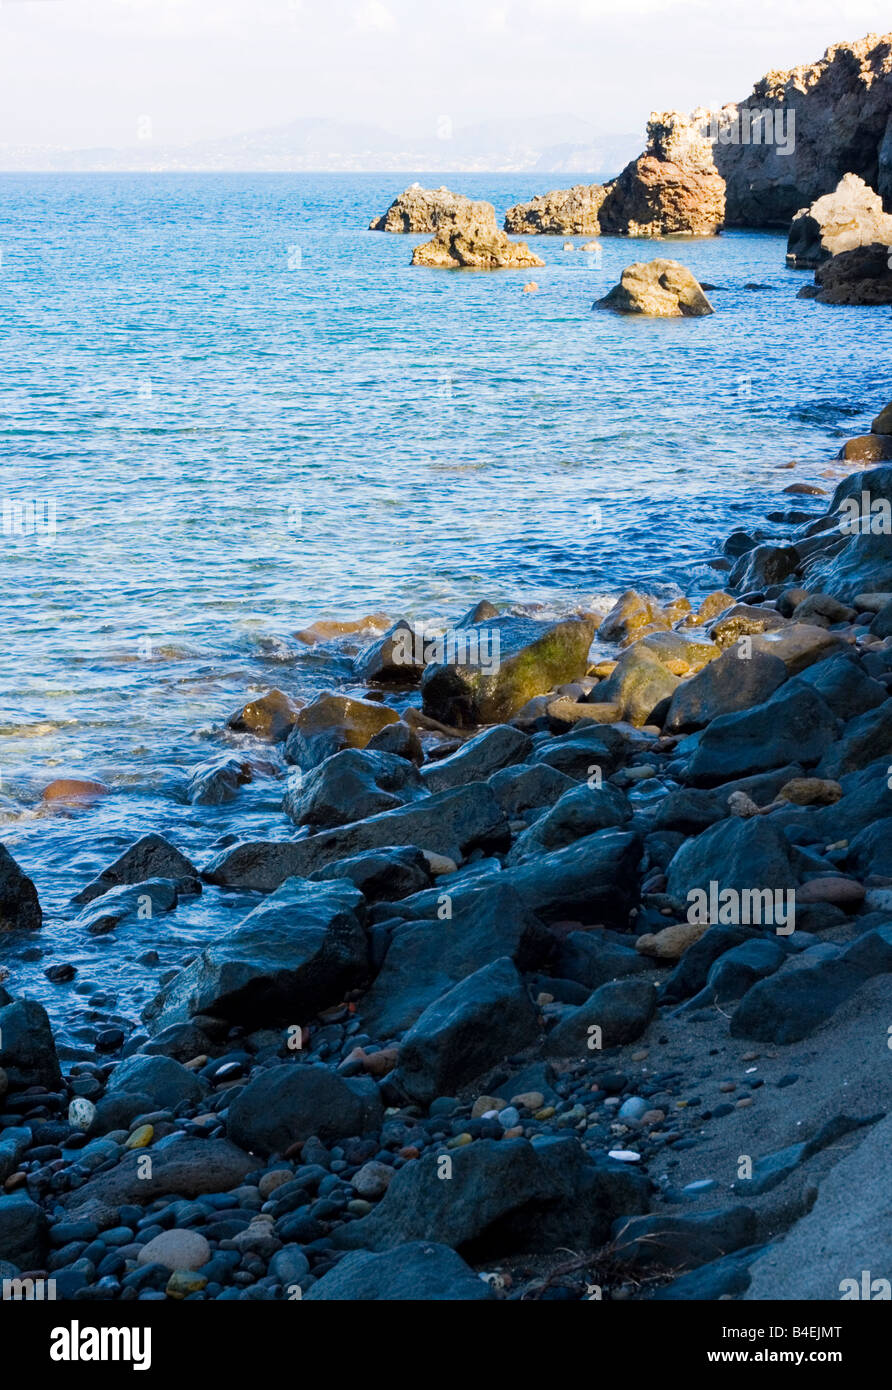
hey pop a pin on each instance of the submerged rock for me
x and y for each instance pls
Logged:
(660, 289)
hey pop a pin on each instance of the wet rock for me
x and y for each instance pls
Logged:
(621, 1010)
(852, 215)
(633, 616)
(73, 791)
(19, 906)
(139, 901)
(416, 1270)
(845, 686)
(448, 823)
(400, 739)
(799, 646)
(271, 716)
(503, 1195)
(743, 620)
(478, 1022)
(586, 749)
(351, 786)
(397, 658)
(659, 288)
(861, 276)
(150, 857)
(531, 658)
(478, 759)
(217, 782)
(292, 956)
(27, 1049)
(562, 212)
(288, 1103)
(392, 873)
(763, 566)
(638, 686)
(334, 722)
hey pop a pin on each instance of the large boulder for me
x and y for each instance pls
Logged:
(827, 118)
(659, 289)
(581, 811)
(501, 665)
(271, 716)
(333, 722)
(673, 189)
(562, 212)
(353, 785)
(638, 686)
(736, 853)
(19, 905)
(451, 823)
(794, 725)
(480, 1021)
(288, 1103)
(27, 1049)
(861, 276)
(426, 958)
(23, 1230)
(852, 215)
(724, 686)
(292, 956)
(392, 872)
(468, 238)
(621, 1010)
(419, 210)
(478, 759)
(502, 1196)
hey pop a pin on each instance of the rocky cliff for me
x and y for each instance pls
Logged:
(673, 189)
(821, 121)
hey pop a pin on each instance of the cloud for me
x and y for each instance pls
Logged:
(374, 17)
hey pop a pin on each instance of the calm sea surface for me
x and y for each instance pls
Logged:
(230, 410)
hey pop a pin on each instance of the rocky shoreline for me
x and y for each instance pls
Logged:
(565, 977)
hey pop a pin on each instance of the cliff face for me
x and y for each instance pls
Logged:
(824, 120)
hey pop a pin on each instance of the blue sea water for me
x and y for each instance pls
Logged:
(245, 411)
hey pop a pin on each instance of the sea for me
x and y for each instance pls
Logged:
(228, 410)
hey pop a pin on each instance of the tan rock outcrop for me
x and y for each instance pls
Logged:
(562, 212)
(469, 239)
(660, 288)
(673, 189)
(419, 210)
(852, 215)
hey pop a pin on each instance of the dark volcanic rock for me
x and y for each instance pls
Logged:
(290, 1102)
(353, 785)
(22, 1231)
(794, 725)
(392, 872)
(502, 1196)
(184, 1168)
(450, 823)
(478, 1022)
(736, 853)
(292, 956)
(725, 686)
(150, 857)
(684, 1241)
(622, 1010)
(19, 907)
(27, 1050)
(482, 756)
(582, 811)
(415, 1271)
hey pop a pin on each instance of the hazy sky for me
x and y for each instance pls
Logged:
(77, 73)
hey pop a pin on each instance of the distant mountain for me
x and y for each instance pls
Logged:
(558, 144)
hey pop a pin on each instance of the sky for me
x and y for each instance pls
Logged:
(82, 73)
